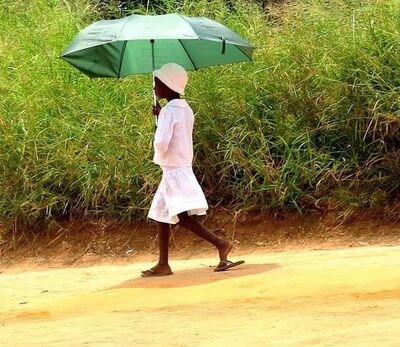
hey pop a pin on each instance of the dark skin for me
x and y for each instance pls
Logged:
(185, 221)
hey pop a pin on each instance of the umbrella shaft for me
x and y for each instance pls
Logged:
(154, 82)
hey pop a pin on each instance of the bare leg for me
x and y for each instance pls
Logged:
(223, 246)
(162, 267)
(163, 242)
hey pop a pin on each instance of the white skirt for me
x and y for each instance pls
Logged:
(178, 192)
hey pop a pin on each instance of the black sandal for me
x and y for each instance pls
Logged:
(152, 273)
(227, 264)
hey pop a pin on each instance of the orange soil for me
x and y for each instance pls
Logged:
(346, 297)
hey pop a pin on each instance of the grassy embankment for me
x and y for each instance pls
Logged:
(313, 123)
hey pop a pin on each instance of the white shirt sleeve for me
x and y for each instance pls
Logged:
(165, 128)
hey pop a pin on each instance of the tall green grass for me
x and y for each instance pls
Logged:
(314, 122)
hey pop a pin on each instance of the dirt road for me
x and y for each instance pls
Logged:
(347, 297)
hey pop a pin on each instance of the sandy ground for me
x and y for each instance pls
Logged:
(335, 298)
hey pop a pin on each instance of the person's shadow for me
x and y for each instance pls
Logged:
(194, 277)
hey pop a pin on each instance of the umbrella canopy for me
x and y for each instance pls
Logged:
(140, 44)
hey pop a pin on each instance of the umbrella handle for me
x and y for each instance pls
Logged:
(154, 99)
(154, 67)
(154, 80)
(154, 93)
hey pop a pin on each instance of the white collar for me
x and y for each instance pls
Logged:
(177, 103)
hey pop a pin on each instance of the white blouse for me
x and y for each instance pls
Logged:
(173, 143)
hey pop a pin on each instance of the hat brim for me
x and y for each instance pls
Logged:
(170, 84)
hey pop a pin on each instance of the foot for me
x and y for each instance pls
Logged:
(158, 270)
(224, 250)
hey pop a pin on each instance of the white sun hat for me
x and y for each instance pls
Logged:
(173, 76)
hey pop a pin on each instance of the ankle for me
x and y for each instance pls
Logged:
(163, 264)
(224, 244)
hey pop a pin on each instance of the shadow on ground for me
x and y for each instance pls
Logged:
(194, 277)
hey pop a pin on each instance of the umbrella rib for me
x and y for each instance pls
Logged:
(121, 59)
(189, 24)
(238, 47)
(187, 53)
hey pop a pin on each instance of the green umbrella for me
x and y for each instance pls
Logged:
(140, 44)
